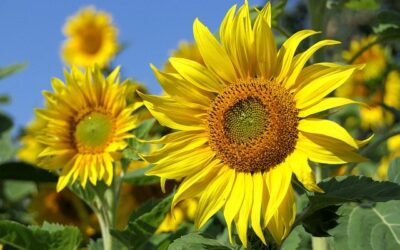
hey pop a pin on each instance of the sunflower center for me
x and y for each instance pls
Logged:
(245, 120)
(93, 132)
(252, 125)
(91, 40)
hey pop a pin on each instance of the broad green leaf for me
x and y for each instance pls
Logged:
(373, 228)
(298, 239)
(11, 69)
(25, 172)
(362, 5)
(137, 177)
(49, 236)
(339, 190)
(394, 170)
(5, 123)
(17, 190)
(196, 241)
(141, 228)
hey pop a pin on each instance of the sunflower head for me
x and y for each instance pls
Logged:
(91, 39)
(249, 122)
(87, 121)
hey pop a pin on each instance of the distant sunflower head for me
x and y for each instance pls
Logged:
(30, 146)
(375, 60)
(91, 39)
(88, 122)
(185, 50)
(245, 120)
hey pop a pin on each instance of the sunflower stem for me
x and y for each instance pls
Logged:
(319, 243)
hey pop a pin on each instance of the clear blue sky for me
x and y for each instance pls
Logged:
(31, 32)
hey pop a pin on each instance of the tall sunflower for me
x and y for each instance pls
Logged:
(246, 121)
(92, 39)
(88, 120)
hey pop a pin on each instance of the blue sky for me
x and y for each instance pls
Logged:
(31, 32)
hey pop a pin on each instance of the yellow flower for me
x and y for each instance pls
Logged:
(245, 122)
(184, 211)
(31, 148)
(375, 116)
(92, 39)
(185, 50)
(393, 146)
(375, 59)
(88, 120)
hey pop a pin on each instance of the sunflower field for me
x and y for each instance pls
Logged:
(275, 127)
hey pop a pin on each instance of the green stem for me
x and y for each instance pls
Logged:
(317, 10)
(319, 243)
(282, 31)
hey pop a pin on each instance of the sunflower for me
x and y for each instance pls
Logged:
(88, 120)
(246, 121)
(92, 39)
(185, 50)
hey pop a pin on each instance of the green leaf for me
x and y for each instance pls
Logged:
(394, 170)
(298, 239)
(321, 221)
(141, 228)
(4, 99)
(388, 25)
(277, 10)
(339, 190)
(17, 190)
(137, 177)
(372, 228)
(196, 241)
(25, 172)
(362, 5)
(5, 123)
(6, 71)
(49, 236)
(7, 148)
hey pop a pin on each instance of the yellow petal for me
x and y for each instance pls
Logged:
(242, 221)
(172, 114)
(277, 180)
(325, 104)
(286, 52)
(265, 47)
(325, 149)
(301, 59)
(214, 196)
(327, 128)
(299, 163)
(194, 184)
(197, 74)
(234, 202)
(184, 166)
(214, 55)
(177, 87)
(259, 190)
(320, 87)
